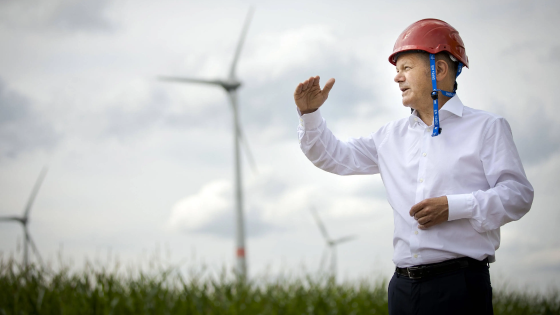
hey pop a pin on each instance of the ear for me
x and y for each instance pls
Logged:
(442, 69)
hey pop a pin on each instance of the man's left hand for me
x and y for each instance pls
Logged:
(430, 212)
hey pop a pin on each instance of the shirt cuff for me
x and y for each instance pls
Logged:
(460, 206)
(312, 120)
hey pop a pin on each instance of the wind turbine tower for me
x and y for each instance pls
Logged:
(24, 220)
(230, 85)
(331, 244)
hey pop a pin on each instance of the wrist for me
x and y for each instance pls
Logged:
(307, 111)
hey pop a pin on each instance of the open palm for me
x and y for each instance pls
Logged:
(309, 96)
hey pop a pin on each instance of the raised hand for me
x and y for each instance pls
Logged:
(309, 96)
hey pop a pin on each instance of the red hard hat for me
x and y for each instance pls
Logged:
(433, 36)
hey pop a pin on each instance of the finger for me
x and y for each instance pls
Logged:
(422, 213)
(299, 88)
(424, 220)
(328, 86)
(434, 220)
(427, 225)
(417, 207)
(311, 80)
(305, 84)
(316, 80)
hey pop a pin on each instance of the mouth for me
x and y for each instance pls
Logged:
(403, 90)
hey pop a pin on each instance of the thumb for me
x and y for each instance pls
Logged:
(328, 86)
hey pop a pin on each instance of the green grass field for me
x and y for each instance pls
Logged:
(96, 290)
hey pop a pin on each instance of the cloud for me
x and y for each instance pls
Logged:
(159, 109)
(21, 128)
(125, 123)
(61, 15)
(199, 211)
(275, 62)
(274, 204)
(553, 55)
(86, 15)
(211, 211)
(282, 52)
(266, 106)
(539, 139)
(536, 134)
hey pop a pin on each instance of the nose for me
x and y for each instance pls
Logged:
(399, 77)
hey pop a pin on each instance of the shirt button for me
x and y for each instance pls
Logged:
(415, 119)
(424, 154)
(415, 256)
(421, 180)
(416, 232)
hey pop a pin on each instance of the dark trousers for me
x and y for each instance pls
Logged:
(463, 291)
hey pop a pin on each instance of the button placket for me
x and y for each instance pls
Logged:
(422, 164)
(420, 185)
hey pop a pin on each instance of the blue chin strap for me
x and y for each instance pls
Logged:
(437, 129)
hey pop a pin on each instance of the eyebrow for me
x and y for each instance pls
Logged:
(405, 63)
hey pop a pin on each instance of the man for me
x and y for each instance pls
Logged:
(451, 186)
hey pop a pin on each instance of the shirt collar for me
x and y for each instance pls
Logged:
(453, 106)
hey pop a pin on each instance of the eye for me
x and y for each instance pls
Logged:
(407, 68)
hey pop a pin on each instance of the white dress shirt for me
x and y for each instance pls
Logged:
(474, 162)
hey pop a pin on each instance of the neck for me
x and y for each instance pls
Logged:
(426, 111)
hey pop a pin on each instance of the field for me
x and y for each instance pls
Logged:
(98, 290)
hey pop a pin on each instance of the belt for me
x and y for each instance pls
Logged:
(429, 270)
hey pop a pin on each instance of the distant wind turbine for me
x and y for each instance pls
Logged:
(24, 220)
(331, 244)
(230, 85)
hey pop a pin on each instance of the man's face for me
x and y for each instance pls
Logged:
(413, 77)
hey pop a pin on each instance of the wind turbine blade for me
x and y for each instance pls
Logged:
(35, 191)
(247, 150)
(324, 258)
(25, 246)
(344, 239)
(10, 219)
(240, 134)
(320, 224)
(333, 262)
(34, 247)
(190, 80)
(240, 43)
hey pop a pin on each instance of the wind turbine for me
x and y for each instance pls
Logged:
(230, 85)
(331, 244)
(24, 220)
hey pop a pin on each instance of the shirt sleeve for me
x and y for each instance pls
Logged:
(324, 150)
(510, 196)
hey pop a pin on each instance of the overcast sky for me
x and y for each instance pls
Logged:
(136, 164)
